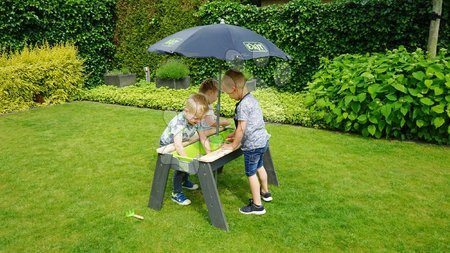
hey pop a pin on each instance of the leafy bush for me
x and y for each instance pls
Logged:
(305, 29)
(122, 71)
(172, 70)
(40, 75)
(140, 23)
(308, 30)
(396, 94)
(88, 24)
(277, 106)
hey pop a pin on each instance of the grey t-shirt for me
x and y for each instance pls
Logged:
(255, 134)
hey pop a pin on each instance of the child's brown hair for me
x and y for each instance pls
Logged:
(208, 85)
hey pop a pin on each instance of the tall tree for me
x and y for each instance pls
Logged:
(434, 28)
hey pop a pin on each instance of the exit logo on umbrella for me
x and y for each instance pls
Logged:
(255, 47)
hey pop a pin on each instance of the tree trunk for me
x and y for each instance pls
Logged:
(434, 28)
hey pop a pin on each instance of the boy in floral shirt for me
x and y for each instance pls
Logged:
(181, 128)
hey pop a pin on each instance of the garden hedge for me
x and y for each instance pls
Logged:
(41, 75)
(279, 107)
(140, 23)
(89, 24)
(394, 95)
(309, 30)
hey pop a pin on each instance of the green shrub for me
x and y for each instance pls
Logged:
(172, 70)
(88, 24)
(140, 23)
(40, 75)
(122, 71)
(397, 94)
(277, 106)
(308, 30)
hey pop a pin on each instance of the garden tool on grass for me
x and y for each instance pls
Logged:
(132, 214)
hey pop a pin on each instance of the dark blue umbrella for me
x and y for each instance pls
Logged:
(220, 41)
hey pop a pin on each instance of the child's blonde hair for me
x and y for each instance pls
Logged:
(234, 78)
(196, 103)
(208, 85)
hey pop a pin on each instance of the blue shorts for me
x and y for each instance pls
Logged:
(254, 160)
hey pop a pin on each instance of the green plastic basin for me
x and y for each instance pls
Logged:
(196, 149)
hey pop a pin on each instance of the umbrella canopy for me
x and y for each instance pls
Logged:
(220, 41)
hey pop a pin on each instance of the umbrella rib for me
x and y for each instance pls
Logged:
(232, 39)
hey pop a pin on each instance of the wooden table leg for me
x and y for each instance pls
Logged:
(159, 181)
(270, 169)
(211, 195)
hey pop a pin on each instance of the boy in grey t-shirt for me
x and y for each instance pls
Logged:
(253, 137)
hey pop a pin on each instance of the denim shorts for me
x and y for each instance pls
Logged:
(254, 159)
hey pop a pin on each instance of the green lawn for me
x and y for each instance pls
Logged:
(68, 174)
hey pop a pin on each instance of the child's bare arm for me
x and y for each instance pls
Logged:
(211, 121)
(178, 143)
(230, 137)
(204, 140)
(224, 122)
(238, 134)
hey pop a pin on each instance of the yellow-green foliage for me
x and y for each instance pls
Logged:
(280, 107)
(35, 75)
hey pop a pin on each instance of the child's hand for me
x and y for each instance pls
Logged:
(230, 137)
(227, 146)
(224, 122)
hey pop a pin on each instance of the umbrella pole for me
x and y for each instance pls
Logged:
(218, 103)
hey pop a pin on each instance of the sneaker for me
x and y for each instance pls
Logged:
(251, 208)
(180, 199)
(266, 196)
(189, 185)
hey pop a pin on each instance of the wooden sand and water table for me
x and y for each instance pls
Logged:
(205, 166)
